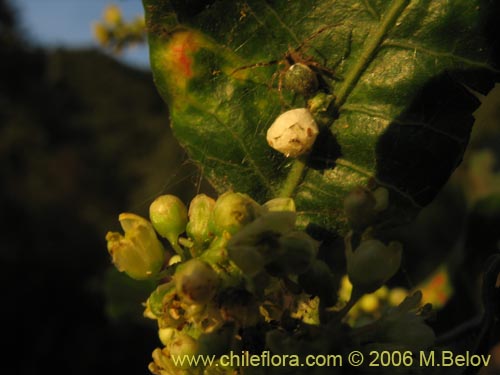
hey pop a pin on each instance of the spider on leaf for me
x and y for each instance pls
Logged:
(300, 73)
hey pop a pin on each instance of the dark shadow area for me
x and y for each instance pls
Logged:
(491, 27)
(325, 151)
(186, 9)
(82, 138)
(430, 137)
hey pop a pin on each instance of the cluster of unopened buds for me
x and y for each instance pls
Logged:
(235, 275)
(218, 263)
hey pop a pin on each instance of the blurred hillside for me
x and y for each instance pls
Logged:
(82, 138)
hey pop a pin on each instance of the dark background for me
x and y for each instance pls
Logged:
(83, 138)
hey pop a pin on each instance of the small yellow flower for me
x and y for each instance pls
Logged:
(101, 33)
(112, 15)
(369, 303)
(139, 253)
(397, 295)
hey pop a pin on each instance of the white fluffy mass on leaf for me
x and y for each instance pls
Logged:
(293, 133)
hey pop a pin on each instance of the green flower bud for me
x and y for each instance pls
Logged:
(409, 330)
(216, 253)
(359, 206)
(196, 282)
(139, 253)
(156, 300)
(200, 212)
(300, 79)
(299, 252)
(248, 259)
(233, 211)
(257, 244)
(181, 345)
(169, 217)
(322, 107)
(372, 264)
(280, 204)
(269, 226)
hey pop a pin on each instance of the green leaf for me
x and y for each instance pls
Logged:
(401, 117)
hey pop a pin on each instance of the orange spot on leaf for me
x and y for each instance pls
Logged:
(181, 52)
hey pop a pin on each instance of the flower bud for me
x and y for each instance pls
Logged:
(257, 244)
(299, 250)
(322, 108)
(248, 259)
(169, 217)
(161, 364)
(166, 335)
(156, 300)
(359, 207)
(408, 329)
(232, 211)
(280, 204)
(397, 295)
(382, 293)
(102, 34)
(112, 15)
(372, 264)
(269, 226)
(369, 303)
(300, 79)
(139, 253)
(182, 345)
(196, 282)
(200, 212)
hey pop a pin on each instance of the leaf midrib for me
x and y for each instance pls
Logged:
(372, 44)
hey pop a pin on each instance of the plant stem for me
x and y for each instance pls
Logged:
(342, 313)
(369, 50)
(184, 253)
(293, 179)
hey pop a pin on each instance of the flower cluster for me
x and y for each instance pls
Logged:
(235, 275)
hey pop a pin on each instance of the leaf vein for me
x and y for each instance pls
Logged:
(370, 49)
(429, 51)
(248, 155)
(366, 110)
(370, 9)
(207, 156)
